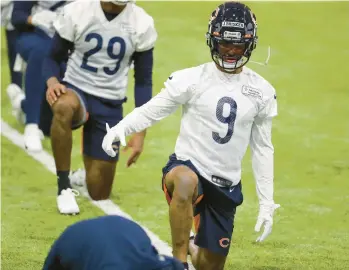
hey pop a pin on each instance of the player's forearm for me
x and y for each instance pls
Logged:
(262, 151)
(58, 54)
(143, 94)
(143, 65)
(51, 71)
(147, 115)
(21, 15)
(263, 170)
(140, 119)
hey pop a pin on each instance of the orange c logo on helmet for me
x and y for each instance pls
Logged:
(224, 242)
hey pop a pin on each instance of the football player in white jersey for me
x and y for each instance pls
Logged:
(100, 39)
(226, 107)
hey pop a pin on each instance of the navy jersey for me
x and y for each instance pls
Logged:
(106, 243)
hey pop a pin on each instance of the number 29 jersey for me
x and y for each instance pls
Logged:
(103, 49)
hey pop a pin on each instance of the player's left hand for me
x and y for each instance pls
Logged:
(265, 217)
(136, 144)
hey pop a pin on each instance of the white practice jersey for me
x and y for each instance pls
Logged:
(103, 49)
(222, 115)
(54, 6)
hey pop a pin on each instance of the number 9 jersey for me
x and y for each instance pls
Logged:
(222, 115)
(103, 49)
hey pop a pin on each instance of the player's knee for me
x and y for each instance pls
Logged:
(210, 261)
(204, 263)
(96, 186)
(63, 110)
(97, 194)
(184, 187)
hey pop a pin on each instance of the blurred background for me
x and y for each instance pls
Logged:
(309, 69)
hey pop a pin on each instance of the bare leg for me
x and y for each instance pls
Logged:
(99, 177)
(66, 110)
(203, 259)
(182, 183)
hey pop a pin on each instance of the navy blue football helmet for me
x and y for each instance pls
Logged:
(232, 23)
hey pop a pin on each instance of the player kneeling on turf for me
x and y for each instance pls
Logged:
(226, 107)
(100, 39)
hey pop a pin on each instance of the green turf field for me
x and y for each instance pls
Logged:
(309, 69)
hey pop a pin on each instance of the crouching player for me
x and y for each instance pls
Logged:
(100, 39)
(106, 243)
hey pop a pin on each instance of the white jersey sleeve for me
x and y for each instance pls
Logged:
(147, 34)
(262, 149)
(64, 24)
(175, 93)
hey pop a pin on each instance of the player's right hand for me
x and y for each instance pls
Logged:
(114, 134)
(54, 91)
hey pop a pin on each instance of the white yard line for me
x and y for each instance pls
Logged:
(107, 206)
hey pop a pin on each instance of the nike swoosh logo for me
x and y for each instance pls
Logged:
(170, 78)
